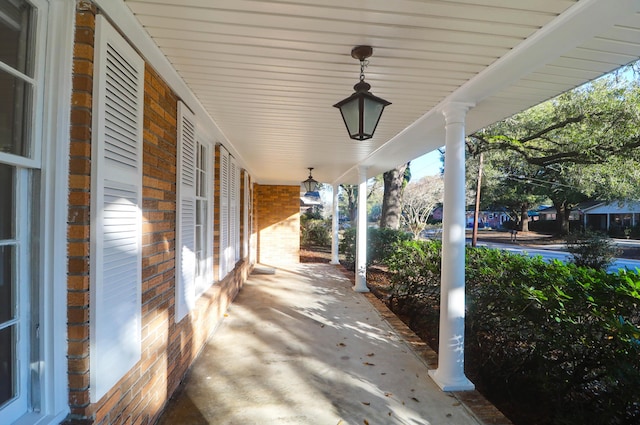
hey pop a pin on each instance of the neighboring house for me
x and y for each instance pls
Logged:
(309, 200)
(598, 215)
(611, 216)
(151, 153)
(488, 219)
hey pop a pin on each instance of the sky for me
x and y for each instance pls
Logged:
(426, 165)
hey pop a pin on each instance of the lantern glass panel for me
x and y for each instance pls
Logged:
(350, 115)
(372, 114)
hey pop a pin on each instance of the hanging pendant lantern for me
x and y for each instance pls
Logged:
(362, 110)
(310, 184)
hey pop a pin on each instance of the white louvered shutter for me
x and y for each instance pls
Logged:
(116, 203)
(186, 217)
(234, 212)
(224, 212)
(245, 214)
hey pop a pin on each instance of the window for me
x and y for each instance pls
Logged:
(35, 88)
(204, 219)
(19, 194)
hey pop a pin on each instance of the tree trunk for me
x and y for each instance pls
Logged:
(392, 198)
(352, 203)
(524, 218)
(562, 217)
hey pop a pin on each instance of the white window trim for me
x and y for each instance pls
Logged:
(54, 102)
(204, 281)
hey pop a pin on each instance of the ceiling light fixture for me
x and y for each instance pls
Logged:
(362, 110)
(310, 184)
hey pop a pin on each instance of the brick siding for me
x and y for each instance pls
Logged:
(278, 211)
(79, 207)
(168, 349)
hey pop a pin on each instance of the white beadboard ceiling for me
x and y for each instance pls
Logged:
(268, 72)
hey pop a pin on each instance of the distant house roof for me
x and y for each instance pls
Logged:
(600, 207)
(310, 199)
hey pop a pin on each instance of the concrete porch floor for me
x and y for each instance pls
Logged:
(301, 347)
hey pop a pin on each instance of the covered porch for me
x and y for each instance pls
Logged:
(298, 346)
(158, 154)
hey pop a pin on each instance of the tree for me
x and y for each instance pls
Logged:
(349, 197)
(349, 200)
(583, 143)
(419, 200)
(507, 184)
(394, 183)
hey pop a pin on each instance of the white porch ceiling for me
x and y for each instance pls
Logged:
(268, 72)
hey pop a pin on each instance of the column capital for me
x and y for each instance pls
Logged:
(456, 112)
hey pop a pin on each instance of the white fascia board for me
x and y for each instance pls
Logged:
(579, 23)
(614, 208)
(123, 19)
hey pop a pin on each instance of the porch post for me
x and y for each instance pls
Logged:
(361, 233)
(334, 227)
(450, 373)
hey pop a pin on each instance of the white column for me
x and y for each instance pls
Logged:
(334, 227)
(361, 233)
(450, 373)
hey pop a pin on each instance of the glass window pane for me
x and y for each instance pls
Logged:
(7, 362)
(6, 203)
(16, 48)
(7, 291)
(15, 114)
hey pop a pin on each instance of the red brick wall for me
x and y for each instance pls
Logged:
(278, 214)
(78, 219)
(168, 349)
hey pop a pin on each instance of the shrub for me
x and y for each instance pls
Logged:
(591, 249)
(314, 232)
(415, 268)
(380, 245)
(561, 340)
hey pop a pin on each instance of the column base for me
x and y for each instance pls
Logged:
(456, 384)
(361, 289)
(334, 263)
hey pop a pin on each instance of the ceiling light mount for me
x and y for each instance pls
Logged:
(361, 52)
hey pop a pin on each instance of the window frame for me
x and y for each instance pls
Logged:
(204, 280)
(48, 171)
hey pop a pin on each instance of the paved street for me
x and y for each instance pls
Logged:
(555, 252)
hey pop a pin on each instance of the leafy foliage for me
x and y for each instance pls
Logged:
(562, 340)
(591, 249)
(581, 144)
(314, 231)
(380, 245)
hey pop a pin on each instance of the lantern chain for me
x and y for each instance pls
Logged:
(363, 65)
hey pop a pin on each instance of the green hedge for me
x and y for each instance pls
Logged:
(314, 231)
(561, 338)
(380, 245)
